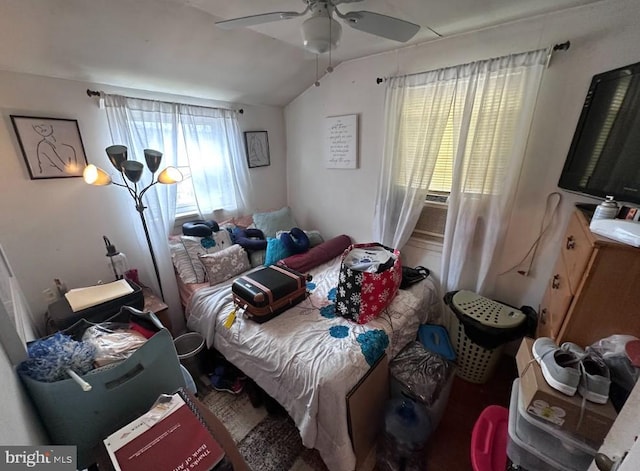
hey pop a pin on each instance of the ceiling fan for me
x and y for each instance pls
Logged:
(321, 32)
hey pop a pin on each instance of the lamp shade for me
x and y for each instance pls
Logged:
(95, 176)
(117, 156)
(321, 33)
(170, 175)
(153, 159)
(133, 170)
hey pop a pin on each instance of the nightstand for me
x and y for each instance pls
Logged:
(156, 305)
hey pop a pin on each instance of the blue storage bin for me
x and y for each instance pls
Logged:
(435, 338)
(121, 391)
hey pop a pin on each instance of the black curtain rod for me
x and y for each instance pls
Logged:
(558, 47)
(91, 93)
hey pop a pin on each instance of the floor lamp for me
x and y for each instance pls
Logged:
(131, 172)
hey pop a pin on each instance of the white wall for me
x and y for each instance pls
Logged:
(603, 36)
(21, 425)
(15, 407)
(53, 228)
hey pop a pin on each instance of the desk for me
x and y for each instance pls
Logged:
(219, 431)
(154, 304)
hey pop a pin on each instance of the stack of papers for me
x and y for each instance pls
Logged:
(82, 298)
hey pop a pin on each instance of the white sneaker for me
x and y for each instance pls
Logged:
(560, 367)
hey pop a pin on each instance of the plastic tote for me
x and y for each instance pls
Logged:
(536, 446)
(120, 392)
(562, 449)
(489, 439)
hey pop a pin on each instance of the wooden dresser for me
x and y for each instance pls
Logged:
(594, 291)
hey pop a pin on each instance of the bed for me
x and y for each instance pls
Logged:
(309, 359)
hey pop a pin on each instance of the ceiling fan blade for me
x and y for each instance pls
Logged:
(257, 19)
(381, 25)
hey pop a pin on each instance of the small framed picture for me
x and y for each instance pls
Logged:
(257, 146)
(51, 147)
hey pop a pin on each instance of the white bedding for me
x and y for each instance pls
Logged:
(307, 358)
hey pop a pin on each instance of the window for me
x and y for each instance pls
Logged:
(193, 149)
(483, 131)
(186, 196)
(494, 113)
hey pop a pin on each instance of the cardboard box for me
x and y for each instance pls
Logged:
(564, 411)
(365, 409)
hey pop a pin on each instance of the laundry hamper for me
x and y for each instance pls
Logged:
(478, 328)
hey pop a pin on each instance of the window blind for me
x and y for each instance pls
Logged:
(491, 128)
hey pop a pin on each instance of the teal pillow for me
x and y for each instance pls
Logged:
(274, 221)
(276, 251)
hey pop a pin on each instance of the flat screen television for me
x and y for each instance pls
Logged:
(604, 157)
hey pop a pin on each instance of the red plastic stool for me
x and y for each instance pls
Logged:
(489, 440)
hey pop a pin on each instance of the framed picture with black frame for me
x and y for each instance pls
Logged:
(257, 147)
(51, 147)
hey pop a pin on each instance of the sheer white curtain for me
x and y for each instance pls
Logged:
(490, 106)
(411, 147)
(500, 100)
(216, 157)
(209, 140)
(145, 124)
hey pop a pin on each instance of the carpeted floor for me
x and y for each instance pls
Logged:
(267, 441)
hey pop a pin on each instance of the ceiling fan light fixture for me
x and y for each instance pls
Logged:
(321, 33)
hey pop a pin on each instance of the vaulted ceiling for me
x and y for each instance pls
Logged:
(174, 46)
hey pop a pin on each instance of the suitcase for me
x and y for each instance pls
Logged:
(269, 291)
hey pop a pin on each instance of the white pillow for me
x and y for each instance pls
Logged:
(185, 269)
(192, 268)
(225, 264)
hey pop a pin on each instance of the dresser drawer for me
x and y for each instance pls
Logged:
(593, 290)
(555, 303)
(576, 252)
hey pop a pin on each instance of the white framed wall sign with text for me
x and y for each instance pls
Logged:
(341, 141)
